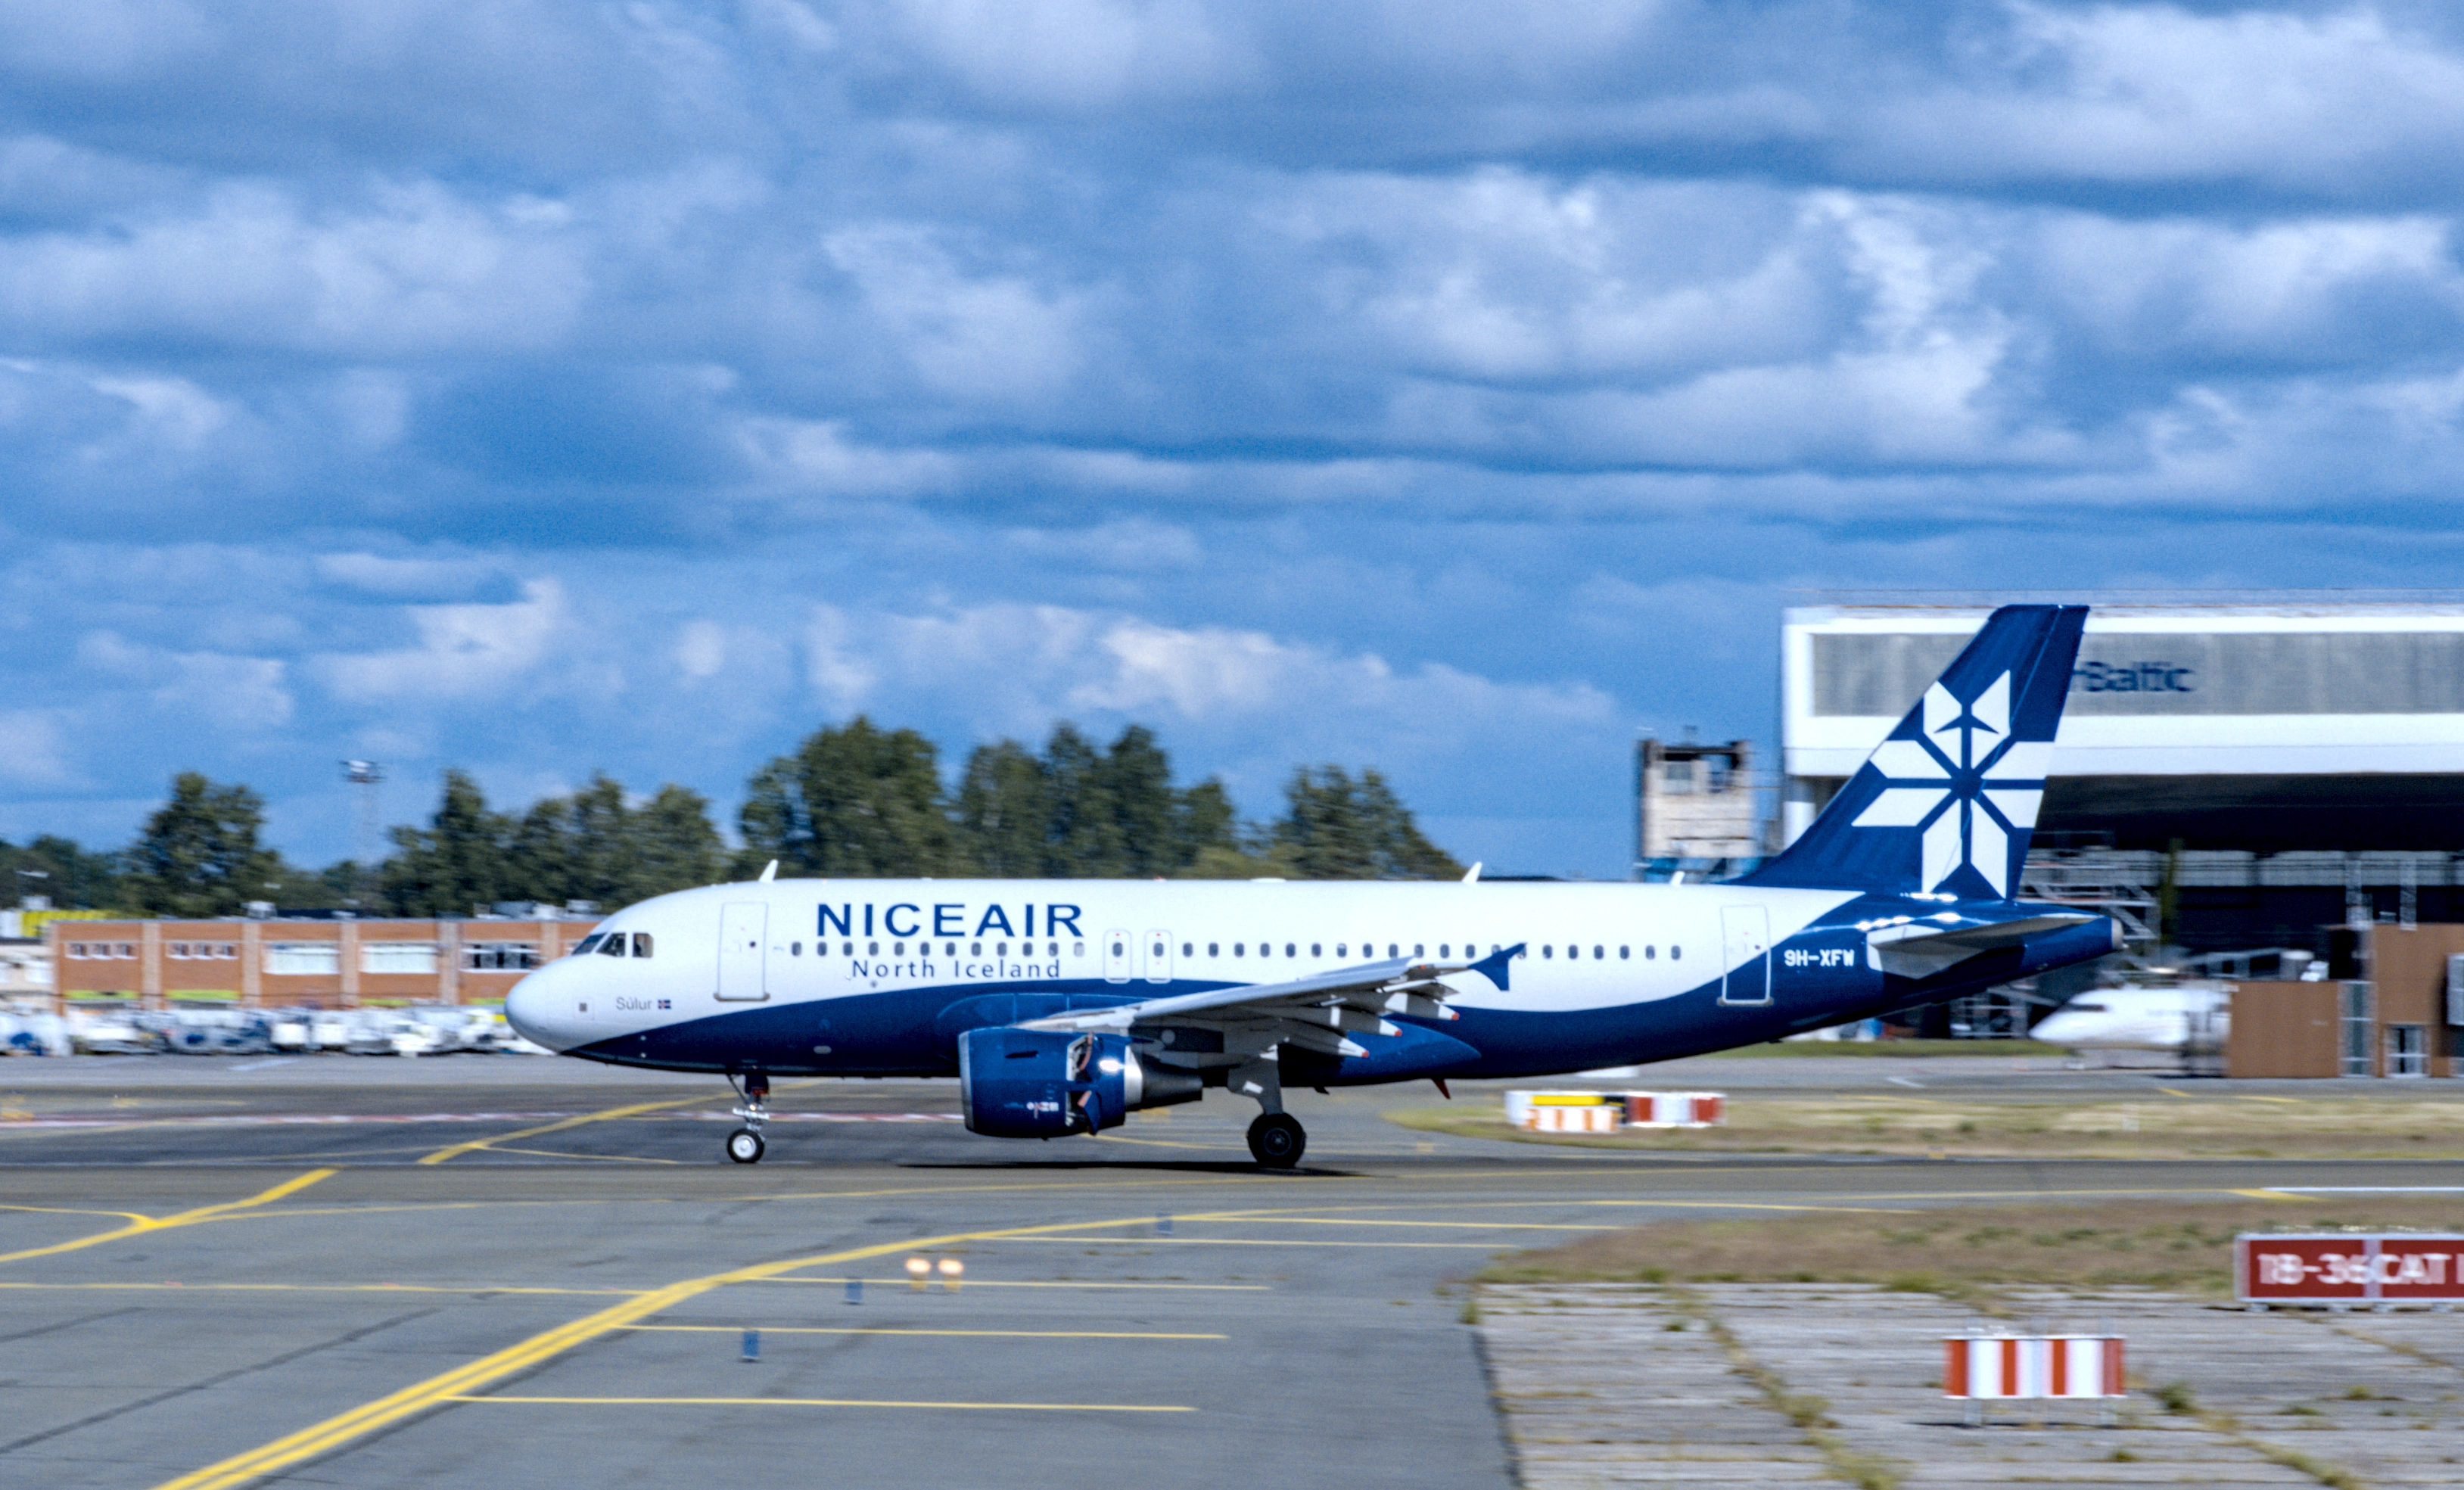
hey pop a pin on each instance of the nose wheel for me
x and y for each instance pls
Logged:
(745, 1146)
(1277, 1140)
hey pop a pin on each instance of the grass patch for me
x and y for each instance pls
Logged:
(2334, 1476)
(1962, 1252)
(1808, 1415)
(2206, 1123)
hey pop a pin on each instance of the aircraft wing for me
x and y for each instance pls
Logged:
(1315, 1013)
(1921, 949)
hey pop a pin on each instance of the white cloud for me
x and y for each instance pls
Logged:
(32, 752)
(463, 651)
(998, 338)
(701, 650)
(2298, 291)
(407, 578)
(416, 270)
(1079, 56)
(1503, 274)
(240, 695)
(106, 39)
(172, 411)
(2327, 103)
(1017, 667)
(818, 456)
(831, 665)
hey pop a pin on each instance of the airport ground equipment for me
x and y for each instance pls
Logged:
(1607, 1111)
(2343, 1270)
(1063, 1005)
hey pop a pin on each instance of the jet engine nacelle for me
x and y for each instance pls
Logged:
(1042, 1084)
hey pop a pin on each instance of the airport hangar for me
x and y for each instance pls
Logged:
(2237, 771)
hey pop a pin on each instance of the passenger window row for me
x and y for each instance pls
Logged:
(619, 944)
(948, 949)
(1471, 949)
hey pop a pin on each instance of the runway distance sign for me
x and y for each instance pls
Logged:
(2349, 1267)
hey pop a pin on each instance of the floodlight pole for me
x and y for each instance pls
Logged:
(367, 776)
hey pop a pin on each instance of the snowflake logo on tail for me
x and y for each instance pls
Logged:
(1968, 794)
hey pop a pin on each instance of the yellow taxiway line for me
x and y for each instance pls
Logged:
(1261, 1241)
(608, 1114)
(461, 1288)
(1062, 1283)
(966, 1406)
(464, 1383)
(143, 1225)
(858, 1330)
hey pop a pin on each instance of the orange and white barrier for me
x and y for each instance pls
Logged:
(1591, 1118)
(2005, 1367)
(1606, 1111)
(1676, 1108)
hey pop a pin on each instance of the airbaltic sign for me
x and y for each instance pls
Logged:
(2138, 677)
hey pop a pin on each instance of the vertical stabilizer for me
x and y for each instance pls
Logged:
(1946, 804)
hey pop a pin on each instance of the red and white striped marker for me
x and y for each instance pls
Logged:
(2010, 1367)
(1676, 1108)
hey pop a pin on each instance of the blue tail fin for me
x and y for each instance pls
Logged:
(1948, 802)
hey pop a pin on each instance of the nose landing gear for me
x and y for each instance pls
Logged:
(744, 1145)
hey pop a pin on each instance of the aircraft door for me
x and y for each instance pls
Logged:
(1158, 950)
(1744, 948)
(743, 933)
(1117, 957)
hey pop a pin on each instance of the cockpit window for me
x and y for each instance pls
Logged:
(590, 944)
(613, 946)
(642, 944)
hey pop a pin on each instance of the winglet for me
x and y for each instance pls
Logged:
(1493, 966)
(1471, 876)
(770, 871)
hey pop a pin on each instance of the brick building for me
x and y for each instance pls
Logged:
(2391, 1006)
(301, 963)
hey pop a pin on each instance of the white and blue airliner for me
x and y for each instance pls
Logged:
(1063, 1005)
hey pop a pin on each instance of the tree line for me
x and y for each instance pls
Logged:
(852, 801)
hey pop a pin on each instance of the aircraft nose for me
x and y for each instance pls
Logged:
(528, 1005)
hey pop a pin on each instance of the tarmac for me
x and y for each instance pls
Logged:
(501, 1271)
(1743, 1384)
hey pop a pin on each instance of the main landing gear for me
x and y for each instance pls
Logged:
(745, 1146)
(1276, 1140)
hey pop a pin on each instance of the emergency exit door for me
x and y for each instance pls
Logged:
(743, 928)
(1158, 951)
(1744, 948)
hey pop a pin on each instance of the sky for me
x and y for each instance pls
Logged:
(1456, 389)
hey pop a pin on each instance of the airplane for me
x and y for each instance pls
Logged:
(2167, 1018)
(1064, 1005)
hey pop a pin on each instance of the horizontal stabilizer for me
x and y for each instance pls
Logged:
(1922, 948)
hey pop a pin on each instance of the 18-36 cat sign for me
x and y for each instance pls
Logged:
(2349, 1267)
